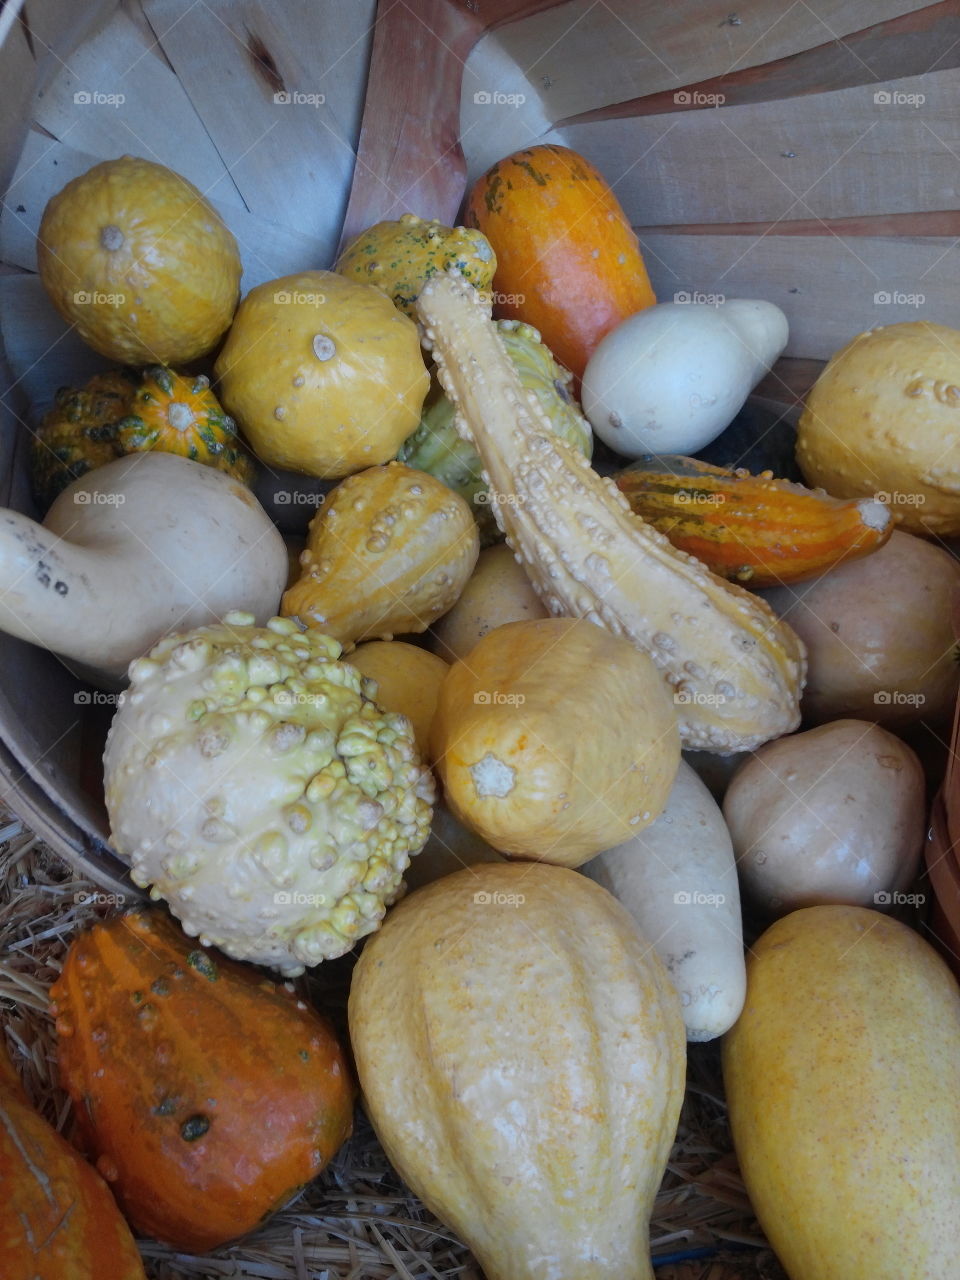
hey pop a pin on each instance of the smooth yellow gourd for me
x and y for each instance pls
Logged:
(408, 681)
(842, 1078)
(521, 1053)
(555, 740)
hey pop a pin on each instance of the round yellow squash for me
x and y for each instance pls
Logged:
(134, 257)
(498, 591)
(555, 740)
(843, 1085)
(408, 681)
(521, 1053)
(323, 374)
(883, 420)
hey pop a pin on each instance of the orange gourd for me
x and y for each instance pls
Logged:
(59, 1221)
(568, 261)
(207, 1093)
(752, 529)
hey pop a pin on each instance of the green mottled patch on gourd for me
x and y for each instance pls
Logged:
(399, 256)
(203, 964)
(541, 179)
(166, 1107)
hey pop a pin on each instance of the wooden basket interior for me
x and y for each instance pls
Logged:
(810, 158)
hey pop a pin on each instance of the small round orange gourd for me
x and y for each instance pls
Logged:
(59, 1220)
(568, 261)
(207, 1093)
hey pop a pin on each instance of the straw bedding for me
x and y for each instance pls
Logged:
(358, 1221)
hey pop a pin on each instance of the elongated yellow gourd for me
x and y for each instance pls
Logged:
(842, 1078)
(735, 670)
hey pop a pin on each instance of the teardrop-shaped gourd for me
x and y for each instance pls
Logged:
(671, 378)
(59, 1220)
(842, 1078)
(555, 740)
(735, 670)
(388, 553)
(521, 1053)
(208, 1093)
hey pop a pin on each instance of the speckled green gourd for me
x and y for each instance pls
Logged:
(398, 257)
(254, 785)
(436, 445)
(79, 433)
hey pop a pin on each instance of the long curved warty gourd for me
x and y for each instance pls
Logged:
(736, 670)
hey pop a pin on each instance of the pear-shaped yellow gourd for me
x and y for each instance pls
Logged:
(843, 1083)
(521, 1051)
(388, 553)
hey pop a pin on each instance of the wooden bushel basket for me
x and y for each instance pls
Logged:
(808, 156)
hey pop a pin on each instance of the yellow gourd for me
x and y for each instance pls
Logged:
(139, 262)
(881, 422)
(842, 1078)
(408, 681)
(388, 553)
(555, 740)
(521, 1053)
(324, 375)
(399, 256)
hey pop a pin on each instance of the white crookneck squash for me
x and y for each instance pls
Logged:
(134, 549)
(736, 671)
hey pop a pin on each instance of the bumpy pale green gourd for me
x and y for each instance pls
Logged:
(398, 257)
(436, 445)
(253, 784)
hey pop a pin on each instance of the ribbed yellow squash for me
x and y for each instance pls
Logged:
(521, 1052)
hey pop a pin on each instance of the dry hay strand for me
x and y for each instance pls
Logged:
(357, 1221)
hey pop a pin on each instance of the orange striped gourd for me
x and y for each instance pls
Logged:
(751, 529)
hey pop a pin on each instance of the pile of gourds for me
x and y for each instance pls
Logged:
(571, 915)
